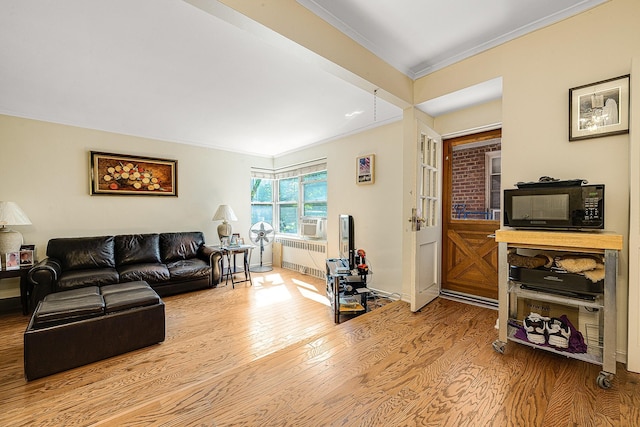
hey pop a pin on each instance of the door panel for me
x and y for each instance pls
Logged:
(471, 215)
(471, 260)
(427, 219)
(427, 278)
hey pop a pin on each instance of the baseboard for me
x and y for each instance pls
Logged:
(469, 299)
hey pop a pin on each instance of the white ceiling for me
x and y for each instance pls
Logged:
(167, 70)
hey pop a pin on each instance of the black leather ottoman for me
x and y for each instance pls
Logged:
(73, 328)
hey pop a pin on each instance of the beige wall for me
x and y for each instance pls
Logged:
(537, 71)
(375, 208)
(49, 165)
(633, 357)
(45, 169)
(478, 118)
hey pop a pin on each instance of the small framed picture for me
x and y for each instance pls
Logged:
(240, 240)
(599, 109)
(224, 241)
(13, 261)
(234, 239)
(30, 248)
(26, 257)
(365, 169)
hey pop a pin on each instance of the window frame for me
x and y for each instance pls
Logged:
(489, 173)
(300, 203)
(262, 203)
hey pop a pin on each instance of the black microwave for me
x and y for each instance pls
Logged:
(573, 207)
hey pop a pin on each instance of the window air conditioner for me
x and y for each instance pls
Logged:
(313, 228)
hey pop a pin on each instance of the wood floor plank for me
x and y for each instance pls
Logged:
(270, 355)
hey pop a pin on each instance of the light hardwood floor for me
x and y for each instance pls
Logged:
(270, 355)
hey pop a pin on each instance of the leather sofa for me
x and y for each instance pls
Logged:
(169, 262)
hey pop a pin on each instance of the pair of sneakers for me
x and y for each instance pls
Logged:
(551, 330)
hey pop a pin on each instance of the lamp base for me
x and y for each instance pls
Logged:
(10, 241)
(224, 230)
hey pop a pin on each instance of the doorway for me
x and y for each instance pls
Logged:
(471, 214)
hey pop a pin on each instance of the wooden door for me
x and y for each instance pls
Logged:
(471, 214)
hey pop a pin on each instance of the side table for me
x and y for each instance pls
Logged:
(230, 252)
(22, 273)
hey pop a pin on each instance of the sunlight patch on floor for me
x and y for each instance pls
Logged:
(272, 295)
(304, 284)
(309, 291)
(314, 296)
(268, 279)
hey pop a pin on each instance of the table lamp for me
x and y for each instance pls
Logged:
(11, 214)
(224, 213)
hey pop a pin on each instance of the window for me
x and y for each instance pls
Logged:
(314, 194)
(475, 178)
(261, 200)
(288, 193)
(493, 170)
(282, 197)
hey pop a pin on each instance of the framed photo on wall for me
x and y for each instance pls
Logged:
(599, 109)
(121, 174)
(365, 169)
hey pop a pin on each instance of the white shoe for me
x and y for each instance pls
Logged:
(535, 326)
(558, 332)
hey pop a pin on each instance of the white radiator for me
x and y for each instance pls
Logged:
(304, 256)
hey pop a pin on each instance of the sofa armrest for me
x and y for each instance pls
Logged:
(44, 278)
(213, 256)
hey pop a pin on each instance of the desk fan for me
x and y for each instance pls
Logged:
(260, 234)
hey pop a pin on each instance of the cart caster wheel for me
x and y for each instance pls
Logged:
(499, 346)
(604, 380)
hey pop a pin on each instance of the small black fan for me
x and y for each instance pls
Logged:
(261, 233)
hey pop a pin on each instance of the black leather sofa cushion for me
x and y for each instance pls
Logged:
(177, 246)
(73, 293)
(83, 252)
(188, 269)
(151, 273)
(118, 301)
(60, 311)
(96, 276)
(137, 249)
(123, 287)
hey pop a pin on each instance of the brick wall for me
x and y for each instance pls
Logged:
(468, 178)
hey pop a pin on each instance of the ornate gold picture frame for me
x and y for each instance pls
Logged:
(121, 174)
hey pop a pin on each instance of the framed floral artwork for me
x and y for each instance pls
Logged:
(121, 174)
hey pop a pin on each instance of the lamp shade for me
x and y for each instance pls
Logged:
(224, 213)
(11, 214)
